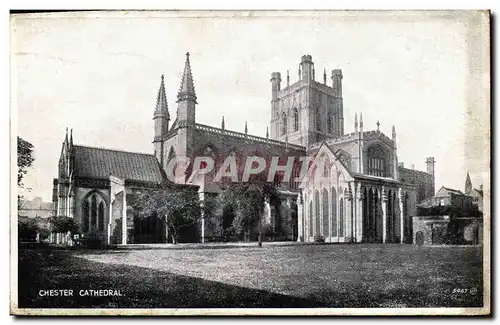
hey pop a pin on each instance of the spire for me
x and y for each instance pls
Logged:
(378, 126)
(186, 91)
(246, 128)
(361, 121)
(393, 132)
(356, 122)
(267, 132)
(468, 184)
(287, 78)
(222, 124)
(161, 99)
(66, 137)
(324, 77)
(71, 138)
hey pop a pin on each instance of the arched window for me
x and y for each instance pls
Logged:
(341, 218)
(283, 124)
(329, 122)
(377, 161)
(334, 212)
(295, 119)
(100, 216)
(85, 216)
(326, 224)
(326, 166)
(316, 213)
(93, 211)
(311, 225)
(318, 119)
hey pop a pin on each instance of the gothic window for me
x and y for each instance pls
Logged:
(295, 119)
(310, 218)
(317, 213)
(341, 218)
(377, 161)
(326, 224)
(326, 166)
(93, 211)
(329, 122)
(283, 124)
(100, 216)
(318, 119)
(334, 212)
(85, 216)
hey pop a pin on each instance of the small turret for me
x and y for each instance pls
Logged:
(337, 82)
(275, 84)
(307, 67)
(430, 165)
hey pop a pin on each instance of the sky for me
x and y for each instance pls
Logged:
(99, 74)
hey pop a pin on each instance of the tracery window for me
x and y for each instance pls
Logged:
(93, 213)
(283, 124)
(318, 119)
(295, 119)
(377, 161)
(329, 122)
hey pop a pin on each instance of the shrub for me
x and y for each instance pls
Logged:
(319, 239)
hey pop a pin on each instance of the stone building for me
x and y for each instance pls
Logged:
(36, 208)
(361, 194)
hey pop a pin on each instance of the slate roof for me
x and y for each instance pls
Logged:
(100, 163)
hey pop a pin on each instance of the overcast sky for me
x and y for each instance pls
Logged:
(100, 76)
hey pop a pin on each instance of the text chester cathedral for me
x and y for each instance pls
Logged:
(363, 194)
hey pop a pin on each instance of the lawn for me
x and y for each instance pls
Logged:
(273, 276)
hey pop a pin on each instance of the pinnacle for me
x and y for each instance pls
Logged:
(187, 85)
(161, 100)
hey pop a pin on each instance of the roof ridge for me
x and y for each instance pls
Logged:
(113, 149)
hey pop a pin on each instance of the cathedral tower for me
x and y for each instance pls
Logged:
(306, 111)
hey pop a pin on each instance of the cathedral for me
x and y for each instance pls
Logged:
(362, 193)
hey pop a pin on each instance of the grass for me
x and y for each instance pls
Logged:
(290, 276)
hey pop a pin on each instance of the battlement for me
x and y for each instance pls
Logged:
(227, 133)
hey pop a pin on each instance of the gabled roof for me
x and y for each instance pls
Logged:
(449, 190)
(100, 163)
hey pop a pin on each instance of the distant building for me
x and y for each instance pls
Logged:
(448, 197)
(450, 217)
(36, 208)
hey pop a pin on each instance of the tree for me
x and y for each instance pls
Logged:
(62, 224)
(25, 159)
(27, 229)
(178, 207)
(248, 203)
